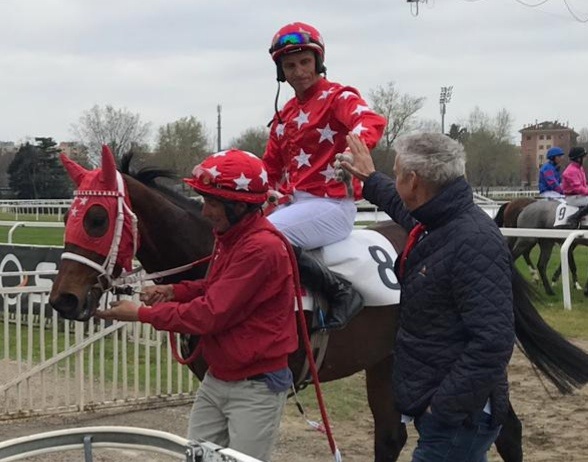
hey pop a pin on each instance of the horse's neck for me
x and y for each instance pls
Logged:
(170, 236)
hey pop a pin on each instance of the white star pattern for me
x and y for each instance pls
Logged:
(329, 173)
(74, 211)
(358, 129)
(302, 118)
(347, 94)
(214, 172)
(83, 201)
(326, 134)
(303, 158)
(242, 183)
(280, 130)
(325, 93)
(360, 108)
(263, 176)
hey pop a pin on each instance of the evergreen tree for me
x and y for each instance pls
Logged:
(37, 173)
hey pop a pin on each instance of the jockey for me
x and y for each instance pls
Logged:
(243, 310)
(549, 176)
(574, 185)
(305, 136)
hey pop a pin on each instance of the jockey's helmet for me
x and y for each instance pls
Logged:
(577, 152)
(231, 175)
(296, 37)
(554, 152)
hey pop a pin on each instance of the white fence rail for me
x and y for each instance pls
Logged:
(138, 439)
(51, 365)
(37, 207)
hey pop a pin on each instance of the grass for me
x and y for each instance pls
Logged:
(32, 236)
(573, 323)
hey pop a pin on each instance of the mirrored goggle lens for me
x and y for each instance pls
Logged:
(295, 38)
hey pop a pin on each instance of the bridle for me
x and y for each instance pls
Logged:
(106, 269)
(106, 277)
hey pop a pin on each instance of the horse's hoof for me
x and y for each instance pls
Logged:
(579, 287)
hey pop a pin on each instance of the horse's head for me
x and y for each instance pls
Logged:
(100, 238)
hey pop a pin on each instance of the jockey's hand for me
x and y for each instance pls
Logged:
(122, 310)
(157, 294)
(363, 165)
(340, 173)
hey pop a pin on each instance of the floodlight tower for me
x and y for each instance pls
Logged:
(444, 100)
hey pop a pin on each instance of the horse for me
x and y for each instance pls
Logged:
(506, 217)
(173, 232)
(541, 215)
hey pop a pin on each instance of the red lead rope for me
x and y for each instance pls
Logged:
(308, 348)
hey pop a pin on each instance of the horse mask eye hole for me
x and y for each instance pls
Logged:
(96, 221)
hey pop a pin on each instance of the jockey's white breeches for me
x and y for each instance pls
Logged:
(552, 194)
(311, 221)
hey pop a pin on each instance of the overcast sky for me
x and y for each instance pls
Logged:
(167, 59)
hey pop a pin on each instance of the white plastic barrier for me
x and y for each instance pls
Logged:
(141, 439)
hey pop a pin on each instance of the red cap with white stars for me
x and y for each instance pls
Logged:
(233, 175)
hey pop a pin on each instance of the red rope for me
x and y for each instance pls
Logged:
(308, 348)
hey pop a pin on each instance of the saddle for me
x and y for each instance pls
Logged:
(366, 259)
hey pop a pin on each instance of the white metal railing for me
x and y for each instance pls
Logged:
(142, 439)
(36, 207)
(58, 366)
(569, 236)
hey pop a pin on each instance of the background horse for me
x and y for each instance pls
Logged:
(173, 233)
(541, 215)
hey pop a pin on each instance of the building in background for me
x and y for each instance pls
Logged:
(536, 139)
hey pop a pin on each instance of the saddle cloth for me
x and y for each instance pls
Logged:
(563, 212)
(366, 259)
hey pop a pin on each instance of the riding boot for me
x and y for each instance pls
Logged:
(344, 301)
(575, 219)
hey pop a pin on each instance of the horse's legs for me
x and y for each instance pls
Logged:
(532, 269)
(545, 246)
(509, 442)
(390, 433)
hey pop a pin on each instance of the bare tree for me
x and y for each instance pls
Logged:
(252, 140)
(398, 108)
(492, 160)
(118, 128)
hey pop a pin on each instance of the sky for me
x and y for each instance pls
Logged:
(168, 59)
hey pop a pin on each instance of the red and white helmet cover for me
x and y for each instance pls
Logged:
(231, 175)
(98, 187)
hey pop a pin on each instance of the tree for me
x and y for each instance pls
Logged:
(181, 145)
(118, 128)
(37, 173)
(583, 132)
(253, 140)
(399, 110)
(492, 160)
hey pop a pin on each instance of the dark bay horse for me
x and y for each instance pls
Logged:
(173, 232)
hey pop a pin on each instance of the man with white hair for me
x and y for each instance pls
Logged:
(456, 332)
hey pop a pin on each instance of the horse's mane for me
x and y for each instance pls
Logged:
(149, 174)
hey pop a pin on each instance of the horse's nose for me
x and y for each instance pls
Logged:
(66, 305)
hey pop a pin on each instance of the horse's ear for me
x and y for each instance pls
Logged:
(108, 168)
(74, 170)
